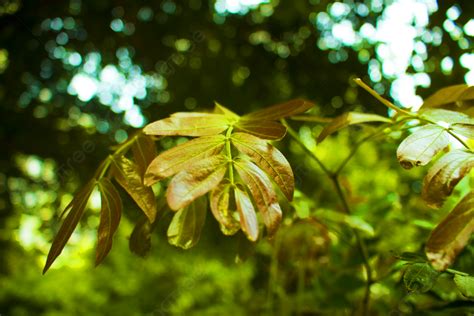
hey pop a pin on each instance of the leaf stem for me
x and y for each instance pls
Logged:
(384, 101)
(334, 177)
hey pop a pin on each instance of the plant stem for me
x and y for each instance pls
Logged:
(334, 177)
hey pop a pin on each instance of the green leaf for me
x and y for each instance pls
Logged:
(144, 151)
(74, 212)
(410, 257)
(420, 277)
(186, 225)
(465, 285)
(128, 176)
(349, 118)
(420, 147)
(110, 213)
(269, 159)
(452, 234)
(189, 124)
(263, 194)
(248, 217)
(349, 220)
(449, 117)
(280, 111)
(262, 128)
(444, 175)
(456, 95)
(221, 209)
(183, 156)
(196, 181)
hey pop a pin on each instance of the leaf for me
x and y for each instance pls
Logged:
(280, 111)
(262, 191)
(349, 220)
(349, 118)
(262, 128)
(140, 239)
(220, 109)
(183, 156)
(110, 213)
(465, 284)
(458, 122)
(127, 175)
(444, 175)
(410, 257)
(248, 217)
(268, 158)
(196, 181)
(457, 95)
(144, 151)
(420, 147)
(74, 211)
(220, 207)
(186, 225)
(452, 234)
(420, 277)
(189, 124)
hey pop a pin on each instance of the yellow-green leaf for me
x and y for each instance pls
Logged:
(263, 194)
(261, 128)
(248, 217)
(186, 225)
(110, 213)
(445, 174)
(144, 151)
(420, 147)
(183, 156)
(74, 212)
(349, 118)
(280, 111)
(221, 209)
(220, 109)
(127, 175)
(465, 284)
(269, 159)
(420, 277)
(452, 234)
(189, 124)
(196, 181)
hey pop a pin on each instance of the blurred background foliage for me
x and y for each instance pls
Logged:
(77, 77)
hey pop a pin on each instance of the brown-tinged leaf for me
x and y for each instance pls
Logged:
(268, 158)
(196, 181)
(248, 217)
(420, 147)
(189, 124)
(452, 234)
(140, 239)
(221, 209)
(74, 212)
(455, 95)
(127, 175)
(186, 225)
(263, 194)
(144, 151)
(444, 175)
(262, 128)
(349, 118)
(110, 213)
(280, 111)
(183, 156)
(220, 109)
